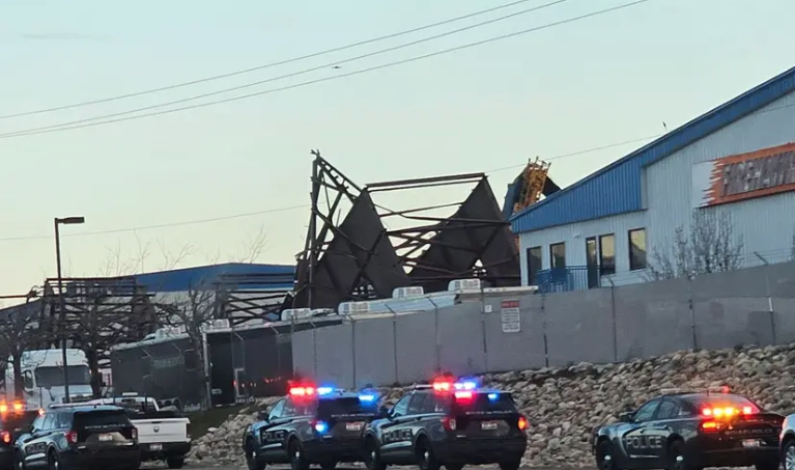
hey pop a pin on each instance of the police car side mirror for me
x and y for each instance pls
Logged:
(384, 411)
(262, 416)
(625, 416)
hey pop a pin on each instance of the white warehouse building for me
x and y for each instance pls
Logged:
(735, 163)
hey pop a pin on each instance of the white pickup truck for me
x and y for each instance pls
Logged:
(163, 433)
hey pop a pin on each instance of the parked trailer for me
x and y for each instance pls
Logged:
(244, 362)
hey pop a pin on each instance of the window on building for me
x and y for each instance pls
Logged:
(637, 249)
(557, 255)
(533, 265)
(592, 262)
(607, 254)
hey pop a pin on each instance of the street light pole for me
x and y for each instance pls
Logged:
(61, 304)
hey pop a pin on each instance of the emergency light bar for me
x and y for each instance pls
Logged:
(727, 412)
(671, 391)
(302, 391)
(443, 385)
(310, 391)
(470, 385)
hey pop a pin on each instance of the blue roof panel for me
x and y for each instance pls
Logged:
(616, 188)
(185, 279)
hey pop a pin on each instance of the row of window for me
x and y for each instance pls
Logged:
(600, 254)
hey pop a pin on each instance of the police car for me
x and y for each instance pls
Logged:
(787, 439)
(14, 419)
(690, 430)
(448, 423)
(311, 425)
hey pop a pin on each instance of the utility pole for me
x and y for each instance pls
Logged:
(61, 304)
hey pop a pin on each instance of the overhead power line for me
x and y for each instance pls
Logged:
(244, 86)
(150, 227)
(296, 207)
(268, 65)
(79, 124)
(304, 206)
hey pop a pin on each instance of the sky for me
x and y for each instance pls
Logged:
(566, 89)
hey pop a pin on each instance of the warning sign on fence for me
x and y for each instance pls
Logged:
(511, 320)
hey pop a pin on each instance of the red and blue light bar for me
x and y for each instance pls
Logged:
(446, 385)
(325, 390)
(462, 389)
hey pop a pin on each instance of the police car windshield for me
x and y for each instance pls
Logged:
(723, 399)
(345, 406)
(485, 402)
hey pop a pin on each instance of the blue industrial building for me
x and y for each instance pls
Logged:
(734, 160)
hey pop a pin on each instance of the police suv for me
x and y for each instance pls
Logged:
(451, 424)
(690, 430)
(15, 419)
(311, 425)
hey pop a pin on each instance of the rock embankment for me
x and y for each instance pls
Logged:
(221, 445)
(563, 405)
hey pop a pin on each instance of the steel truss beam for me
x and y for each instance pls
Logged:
(361, 259)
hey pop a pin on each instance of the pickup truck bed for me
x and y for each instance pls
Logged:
(163, 435)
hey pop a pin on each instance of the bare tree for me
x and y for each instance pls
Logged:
(114, 265)
(172, 259)
(194, 311)
(20, 332)
(254, 247)
(105, 319)
(709, 246)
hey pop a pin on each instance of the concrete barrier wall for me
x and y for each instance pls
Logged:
(750, 306)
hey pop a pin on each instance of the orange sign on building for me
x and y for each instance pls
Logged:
(745, 176)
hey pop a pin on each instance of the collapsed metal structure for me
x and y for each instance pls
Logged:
(118, 309)
(243, 298)
(361, 259)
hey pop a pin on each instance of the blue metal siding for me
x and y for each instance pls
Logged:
(616, 189)
(181, 280)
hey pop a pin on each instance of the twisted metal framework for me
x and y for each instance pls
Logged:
(99, 312)
(244, 298)
(361, 258)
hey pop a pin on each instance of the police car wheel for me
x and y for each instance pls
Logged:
(604, 456)
(427, 461)
(251, 458)
(19, 461)
(297, 460)
(52, 461)
(789, 456)
(372, 459)
(676, 457)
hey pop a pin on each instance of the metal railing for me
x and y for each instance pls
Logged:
(568, 279)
